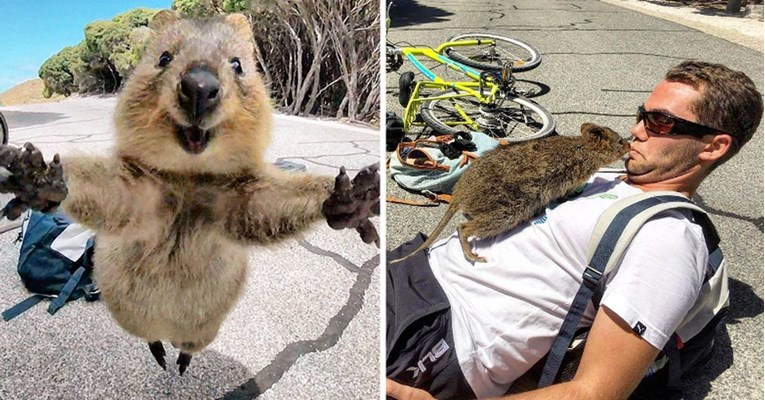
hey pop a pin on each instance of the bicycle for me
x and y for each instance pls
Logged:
(488, 102)
(3, 130)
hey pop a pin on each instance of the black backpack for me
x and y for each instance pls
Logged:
(394, 131)
(613, 232)
(55, 262)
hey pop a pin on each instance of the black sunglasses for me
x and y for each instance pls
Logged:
(665, 124)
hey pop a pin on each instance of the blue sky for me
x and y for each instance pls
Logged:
(32, 31)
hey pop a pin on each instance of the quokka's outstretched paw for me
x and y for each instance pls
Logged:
(353, 202)
(36, 185)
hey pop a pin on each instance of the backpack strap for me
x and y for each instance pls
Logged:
(612, 234)
(434, 199)
(58, 301)
(63, 296)
(23, 306)
(619, 223)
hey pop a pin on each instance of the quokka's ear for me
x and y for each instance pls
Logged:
(241, 25)
(594, 132)
(162, 20)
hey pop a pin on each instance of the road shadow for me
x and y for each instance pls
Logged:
(744, 304)
(702, 7)
(698, 386)
(21, 119)
(530, 89)
(411, 12)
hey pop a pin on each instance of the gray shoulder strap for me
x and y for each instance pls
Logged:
(614, 230)
(607, 245)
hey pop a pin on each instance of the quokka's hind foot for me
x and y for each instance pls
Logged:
(474, 258)
(158, 351)
(465, 230)
(184, 359)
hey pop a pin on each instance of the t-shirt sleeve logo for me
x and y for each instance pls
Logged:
(639, 328)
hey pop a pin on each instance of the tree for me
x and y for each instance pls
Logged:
(209, 8)
(103, 59)
(320, 57)
(58, 72)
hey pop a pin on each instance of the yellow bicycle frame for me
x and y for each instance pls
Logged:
(466, 88)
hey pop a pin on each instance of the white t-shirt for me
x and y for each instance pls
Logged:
(507, 311)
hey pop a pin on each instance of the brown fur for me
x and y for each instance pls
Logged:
(511, 184)
(173, 227)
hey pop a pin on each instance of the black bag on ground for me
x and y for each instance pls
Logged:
(394, 131)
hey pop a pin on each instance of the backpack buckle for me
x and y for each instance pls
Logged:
(591, 277)
(430, 195)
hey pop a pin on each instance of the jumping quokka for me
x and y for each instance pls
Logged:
(187, 189)
(511, 184)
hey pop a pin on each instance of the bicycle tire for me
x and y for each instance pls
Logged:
(515, 119)
(521, 55)
(405, 86)
(3, 130)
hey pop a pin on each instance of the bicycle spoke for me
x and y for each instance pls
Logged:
(494, 54)
(520, 123)
(501, 52)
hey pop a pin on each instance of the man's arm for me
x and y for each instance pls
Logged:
(614, 362)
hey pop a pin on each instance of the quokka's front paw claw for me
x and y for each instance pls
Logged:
(343, 183)
(32, 159)
(14, 209)
(9, 155)
(35, 185)
(368, 233)
(367, 182)
(353, 202)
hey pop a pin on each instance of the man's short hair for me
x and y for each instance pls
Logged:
(729, 100)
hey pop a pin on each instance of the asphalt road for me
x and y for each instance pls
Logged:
(307, 326)
(600, 62)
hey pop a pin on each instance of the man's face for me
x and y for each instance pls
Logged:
(654, 157)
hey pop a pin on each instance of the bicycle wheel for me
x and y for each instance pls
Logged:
(519, 55)
(3, 130)
(514, 118)
(405, 87)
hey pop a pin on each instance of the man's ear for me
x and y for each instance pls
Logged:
(719, 146)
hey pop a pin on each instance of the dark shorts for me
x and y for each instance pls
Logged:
(419, 343)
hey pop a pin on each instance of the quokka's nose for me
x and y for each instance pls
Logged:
(199, 92)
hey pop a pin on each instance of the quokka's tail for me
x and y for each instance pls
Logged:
(453, 207)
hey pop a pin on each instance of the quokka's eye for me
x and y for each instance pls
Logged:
(165, 59)
(236, 65)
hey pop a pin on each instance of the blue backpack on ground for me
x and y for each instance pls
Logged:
(55, 261)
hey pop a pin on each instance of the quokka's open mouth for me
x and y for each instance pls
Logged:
(193, 139)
